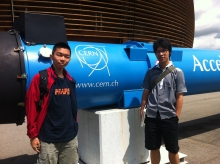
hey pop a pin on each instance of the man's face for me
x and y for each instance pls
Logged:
(162, 55)
(60, 58)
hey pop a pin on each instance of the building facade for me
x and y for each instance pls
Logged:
(113, 21)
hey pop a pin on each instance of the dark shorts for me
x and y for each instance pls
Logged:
(156, 129)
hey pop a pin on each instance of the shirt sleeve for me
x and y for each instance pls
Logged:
(180, 82)
(31, 104)
(146, 81)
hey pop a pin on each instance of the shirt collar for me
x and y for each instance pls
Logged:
(170, 63)
(64, 71)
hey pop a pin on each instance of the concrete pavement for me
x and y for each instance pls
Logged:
(199, 135)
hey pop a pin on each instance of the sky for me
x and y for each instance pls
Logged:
(207, 24)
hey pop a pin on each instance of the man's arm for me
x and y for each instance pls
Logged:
(31, 104)
(179, 103)
(144, 101)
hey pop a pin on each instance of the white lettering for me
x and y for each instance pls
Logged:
(205, 65)
(210, 62)
(218, 64)
(92, 53)
(87, 53)
(80, 52)
(197, 64)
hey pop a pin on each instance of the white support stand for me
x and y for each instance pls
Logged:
(114, 136)
(111, 136)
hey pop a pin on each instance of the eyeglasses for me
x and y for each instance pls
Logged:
(163, 51)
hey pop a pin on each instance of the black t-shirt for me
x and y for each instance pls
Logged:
(59, 124)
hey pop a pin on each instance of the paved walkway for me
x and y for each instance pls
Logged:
(199, 135)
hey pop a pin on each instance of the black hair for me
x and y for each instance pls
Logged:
(164, 43)
(61, 45)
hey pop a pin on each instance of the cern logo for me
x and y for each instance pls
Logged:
(95, 57)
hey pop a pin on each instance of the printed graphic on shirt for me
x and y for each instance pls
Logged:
(63, 91)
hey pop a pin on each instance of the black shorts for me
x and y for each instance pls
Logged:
(156, 129)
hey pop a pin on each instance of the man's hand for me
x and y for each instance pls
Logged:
(178, 116)
(35, 144)
(141, 112)
(144, 101)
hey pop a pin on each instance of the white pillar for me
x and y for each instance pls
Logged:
(112, 136)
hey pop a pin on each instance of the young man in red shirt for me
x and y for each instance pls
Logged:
(52, 127)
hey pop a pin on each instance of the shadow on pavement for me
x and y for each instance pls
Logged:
(22, 159)
(199, 126)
